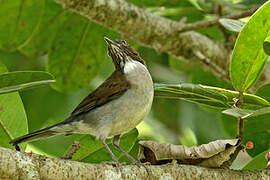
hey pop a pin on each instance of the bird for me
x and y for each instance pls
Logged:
(117, 106)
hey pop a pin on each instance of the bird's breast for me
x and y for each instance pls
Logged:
(126, 112)
(136, 102)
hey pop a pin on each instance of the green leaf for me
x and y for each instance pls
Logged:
(250, 101)
(207, 95)
(42, 38)
(195, 3)
(264, 92)
(77, 53)
(256, 130)
(133, 152)
(93, 150)
(202, 76)
(231, 24)
(248, 57)
(45, 107)
(13, 121)
(19, 80)
(230, 125)
(258, 112)
(258, 162)
(190, 92)
(237, 112)
(176, 13)
(188, 138)
(246, 113)
(19, 19)
(266, 45)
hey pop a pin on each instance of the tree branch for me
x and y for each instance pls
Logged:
(17, 165)
(156, 32)
(210, 23)
(152, 31)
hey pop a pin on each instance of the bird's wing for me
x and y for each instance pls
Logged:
(112, 88)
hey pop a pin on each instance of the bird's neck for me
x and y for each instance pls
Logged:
(137, 74)
(132, 66)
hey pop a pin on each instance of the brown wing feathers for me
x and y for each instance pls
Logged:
(111, 89)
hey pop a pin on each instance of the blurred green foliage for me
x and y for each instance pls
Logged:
(189, 99)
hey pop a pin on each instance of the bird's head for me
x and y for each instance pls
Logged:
(121, 52)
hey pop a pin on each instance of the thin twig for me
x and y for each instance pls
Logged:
(238, 104)
(210, 23)
(219, 72)
(240, 135)
(75, 147)
(220, 27)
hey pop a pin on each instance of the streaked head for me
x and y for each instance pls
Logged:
(121, 52)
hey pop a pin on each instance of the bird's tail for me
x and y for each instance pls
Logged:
(40, 134)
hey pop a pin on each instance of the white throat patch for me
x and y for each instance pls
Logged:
(131, 66)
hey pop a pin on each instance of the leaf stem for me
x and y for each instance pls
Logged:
(240, 135)
(238, 104)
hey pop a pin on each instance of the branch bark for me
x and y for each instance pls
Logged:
(18, 165)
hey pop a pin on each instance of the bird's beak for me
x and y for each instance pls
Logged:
(109, 42)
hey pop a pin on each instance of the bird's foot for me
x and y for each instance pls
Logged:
(117, 164)
(144, 165)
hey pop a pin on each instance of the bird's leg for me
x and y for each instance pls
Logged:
(116, 144)
(110, 151)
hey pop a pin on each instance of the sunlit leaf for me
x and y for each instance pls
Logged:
(248, 56)
(19, 80)
(188, 138)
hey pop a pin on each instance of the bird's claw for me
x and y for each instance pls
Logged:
(144, 165)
